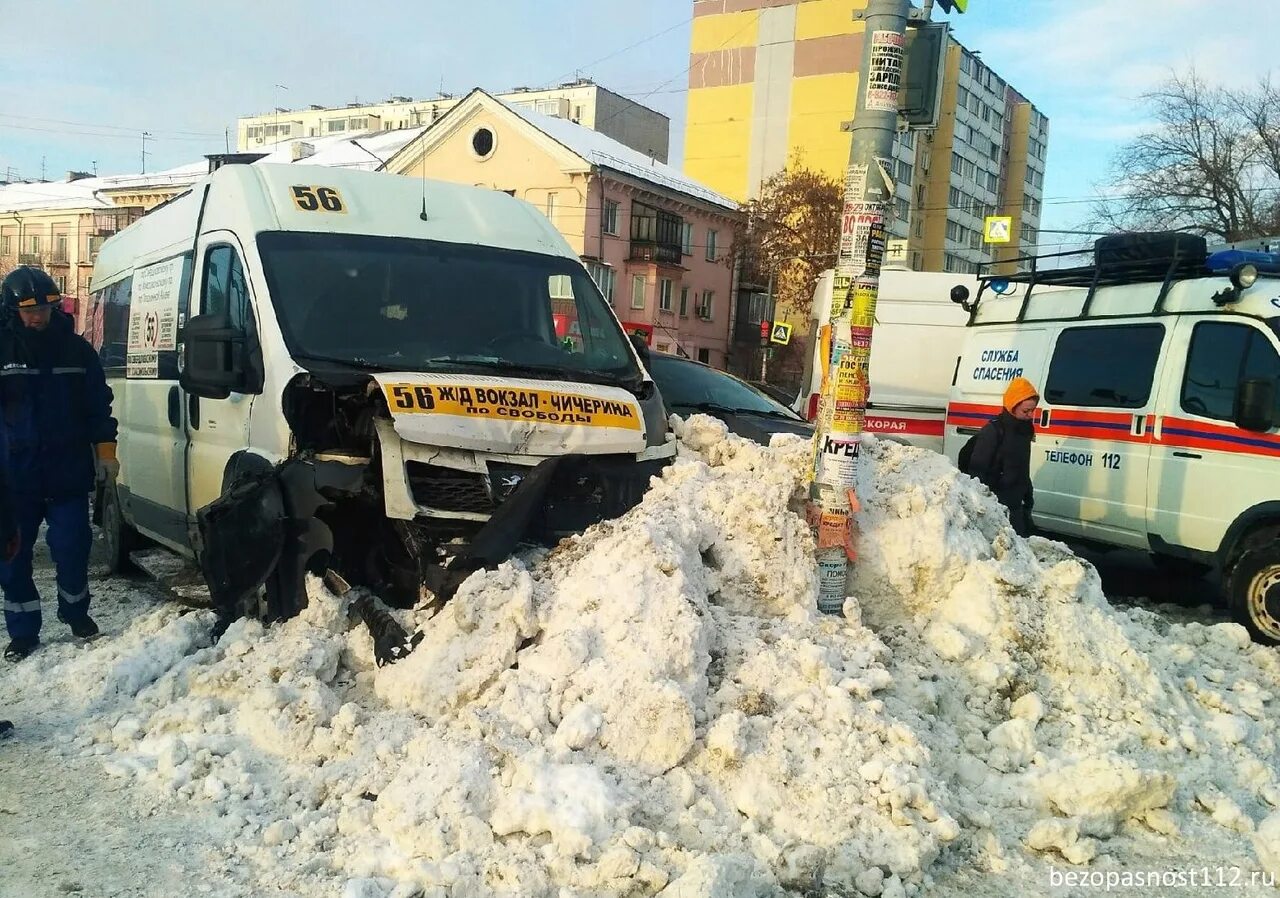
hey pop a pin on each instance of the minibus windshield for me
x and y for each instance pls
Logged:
(399, 304)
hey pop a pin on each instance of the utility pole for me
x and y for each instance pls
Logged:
(868, 208)
(275, 116)
(768, 315)
(145, 135)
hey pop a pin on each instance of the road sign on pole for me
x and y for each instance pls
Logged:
(997, 229)
(781, 333)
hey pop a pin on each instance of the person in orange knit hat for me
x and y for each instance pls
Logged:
(57, 440)
(1002, 453)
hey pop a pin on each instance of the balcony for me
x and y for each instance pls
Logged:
(648, 251)
(35, 259)
(655, 235)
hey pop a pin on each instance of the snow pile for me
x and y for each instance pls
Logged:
(656, 707)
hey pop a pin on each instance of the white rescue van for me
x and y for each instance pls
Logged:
(1160, 401)
(310, 362)
(918, 335)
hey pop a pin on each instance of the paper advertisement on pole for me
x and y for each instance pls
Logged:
(855, 183)
(885, 73)
(861, 229)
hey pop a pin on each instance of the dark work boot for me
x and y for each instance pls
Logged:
(6, 728)
(20, 648)
(82, 627)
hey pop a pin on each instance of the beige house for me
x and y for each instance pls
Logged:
(657, 243)
(583, 102)
(59, 225)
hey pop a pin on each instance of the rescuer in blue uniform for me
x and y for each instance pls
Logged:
(57, 439)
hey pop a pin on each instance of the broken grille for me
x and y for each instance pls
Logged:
(448, 489)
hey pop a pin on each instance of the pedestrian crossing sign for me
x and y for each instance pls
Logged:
(781, 333)
(997, 229)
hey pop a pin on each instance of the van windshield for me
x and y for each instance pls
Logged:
(398, 304)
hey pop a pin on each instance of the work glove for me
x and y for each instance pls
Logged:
(106, 467)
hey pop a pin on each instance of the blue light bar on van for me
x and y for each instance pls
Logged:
(1222, 262)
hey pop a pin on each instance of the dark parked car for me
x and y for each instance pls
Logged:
(690, 387)
(775, 392)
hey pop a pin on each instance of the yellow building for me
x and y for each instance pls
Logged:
(772, 81)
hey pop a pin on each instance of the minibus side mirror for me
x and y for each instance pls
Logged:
(1255, 405)
(642, 348)
(212, 357)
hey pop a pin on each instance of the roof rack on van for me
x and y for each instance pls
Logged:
(1133, 258)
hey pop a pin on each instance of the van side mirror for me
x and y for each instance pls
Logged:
(212, 357)
(641, 347)
(1255, 405)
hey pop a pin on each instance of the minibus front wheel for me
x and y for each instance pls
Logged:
(119, 539)
(1254, 592)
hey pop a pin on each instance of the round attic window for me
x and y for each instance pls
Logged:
(483, 142)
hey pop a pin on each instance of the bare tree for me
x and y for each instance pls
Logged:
(788, 238)
(1210, 164)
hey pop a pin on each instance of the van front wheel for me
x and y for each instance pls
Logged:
(120, 539)
(1254, 592)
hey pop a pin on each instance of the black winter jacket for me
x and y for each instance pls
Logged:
(1002, 460)
(54, 406)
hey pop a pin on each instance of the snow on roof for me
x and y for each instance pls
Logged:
(23, 197)
(605, 152)
(181, 175)
(367, 150)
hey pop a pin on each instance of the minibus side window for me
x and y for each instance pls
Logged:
(111, 319)
(1221, 356)
(1104, 367)
(226, 293)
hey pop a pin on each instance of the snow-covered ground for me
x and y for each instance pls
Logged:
(657, 708)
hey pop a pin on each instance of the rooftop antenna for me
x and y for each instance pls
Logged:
(95, 168)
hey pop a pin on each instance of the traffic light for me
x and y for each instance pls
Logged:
(953, 5)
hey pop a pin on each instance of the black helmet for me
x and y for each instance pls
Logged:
(28, 288)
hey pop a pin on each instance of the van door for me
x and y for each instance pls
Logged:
(1096, 417)
(153, 436)
(1205, 471)
(220, 427)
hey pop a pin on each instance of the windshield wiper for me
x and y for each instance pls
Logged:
(770, 413)
(712, 407)
(717, 408)
(357, 364)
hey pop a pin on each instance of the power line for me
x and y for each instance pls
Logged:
(638, 43)
(107, 135)
(35, 118)
(750, 22)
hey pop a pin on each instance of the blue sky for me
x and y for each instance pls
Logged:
(94, 75)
